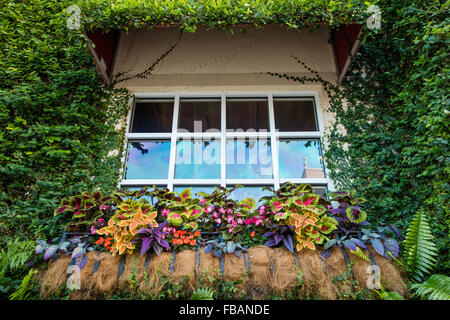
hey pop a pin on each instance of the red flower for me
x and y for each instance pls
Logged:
(252, 234)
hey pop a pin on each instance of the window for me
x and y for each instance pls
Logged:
(182, 141)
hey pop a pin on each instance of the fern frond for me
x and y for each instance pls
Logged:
(389, 295)
(203, 294)
(420, 249)
(437, 287)
(360, 254)
(21, 292)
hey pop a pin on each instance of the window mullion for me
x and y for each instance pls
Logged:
(223, 141)
(173, 143)
(273, 139)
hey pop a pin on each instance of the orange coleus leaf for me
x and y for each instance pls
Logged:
(122, 249)
(299, 246)
(309, 244)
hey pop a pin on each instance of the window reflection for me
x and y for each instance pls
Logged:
(249, 158)
(197, 159)
(148, 159)
(300, 159)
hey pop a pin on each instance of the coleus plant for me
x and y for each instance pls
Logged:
(184, 210)
(85, 209)
(153, 238)
(76, 247)
(131, 215)
(298, 207)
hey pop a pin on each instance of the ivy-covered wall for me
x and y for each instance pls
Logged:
(56, 118)
(397, 123)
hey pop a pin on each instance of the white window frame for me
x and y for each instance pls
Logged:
(222, 136)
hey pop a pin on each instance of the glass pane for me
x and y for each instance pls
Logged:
(254, 192)
(249, 158)
(291, 115)
(199, 116)
(194, 190)
(148, 159)
(320, 190)
(153, 116)
(197, 159)
(300, 159)
(247, 114)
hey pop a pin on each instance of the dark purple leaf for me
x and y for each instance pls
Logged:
(77, 252)
(165, 244)
(156, 248)
(396, 231)
(143, 230)
(392, 246)
(277, 239)
(270, 243)
(288, 243)
(50, 251)
(325, 253)
(350, 244)
(359, 243)
(81, 261)
(267, 234)
(145, 245)
(378, 246)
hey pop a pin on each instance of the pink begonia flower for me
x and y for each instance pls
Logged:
(233, 223)
(218, 221)
(93, 230)
(222, 210)
(215, 215)
(240, 221)
(230, 211)
(203, 201)
(230, 230)
(103, 207)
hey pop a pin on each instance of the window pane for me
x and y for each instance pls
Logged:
(300, 159)
(254, 192)
(249, 158)
(247, 114)
(148, 159)
(200, 115)
(194, 190)
(197, 159)
(291, 115)
(153, 116)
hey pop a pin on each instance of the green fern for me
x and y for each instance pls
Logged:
(360, 254)
(18, 252)
(21, 292)
(388, 295)
(203, 294)
(437, 287)
(420, 249)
